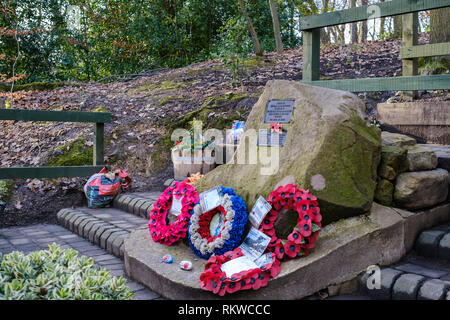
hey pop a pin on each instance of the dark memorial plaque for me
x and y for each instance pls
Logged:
(279, 111)
(271, 139)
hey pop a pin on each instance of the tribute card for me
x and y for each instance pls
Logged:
(210, 199)
(175, 209)
(264, 259)
(237, 265)
(259, 211)
(254, 244)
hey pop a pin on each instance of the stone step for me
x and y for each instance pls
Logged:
(139, 203)
(424, 274)
(106, 228)
(434, 243)
(409, 282)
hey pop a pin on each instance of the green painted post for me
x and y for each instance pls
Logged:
(99, 144)
(311, 55)
(410, 25)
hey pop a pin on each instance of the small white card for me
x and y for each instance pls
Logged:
(175, 209)
(216, 224)
(264, 259)
(210, 199)
(259, 211)
(237, 265)
(254, 244)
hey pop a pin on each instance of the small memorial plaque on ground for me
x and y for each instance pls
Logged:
(279, 111)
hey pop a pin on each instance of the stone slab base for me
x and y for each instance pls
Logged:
(343, 251)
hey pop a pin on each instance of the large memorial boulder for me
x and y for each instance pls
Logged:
(328, 148)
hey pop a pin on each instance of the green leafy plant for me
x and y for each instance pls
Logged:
(195, 141)
(237, 67)
(57, 274)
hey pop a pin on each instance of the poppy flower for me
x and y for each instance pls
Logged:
(291, 249)
(222, 289)
(305, 226)
(233, 287)
(261, 280)
(211, 284)
(279, 250)
(295, 236)
(271, 215)
(275, 269)
(266, 224)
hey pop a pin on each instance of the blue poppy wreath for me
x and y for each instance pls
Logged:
(228, 237)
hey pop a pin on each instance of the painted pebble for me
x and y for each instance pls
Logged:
(186, 265)
(167, 258)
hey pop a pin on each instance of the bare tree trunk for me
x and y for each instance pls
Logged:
(440, 32)
(363, 29)
(354, 26)
(257, 45)
(440, 25)
(397, 27)
(276, 26)
(382, 22)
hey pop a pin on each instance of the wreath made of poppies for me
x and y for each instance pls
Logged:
(160, 231)
(234, 213)
(214, 279)
(304, 235)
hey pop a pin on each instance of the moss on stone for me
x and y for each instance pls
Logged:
(42, 86)
(255, 62)
(393, 162)
(384, 192)
(168, 99)
(74, 153)
(5, 190)
(167, 85)
(100, 108)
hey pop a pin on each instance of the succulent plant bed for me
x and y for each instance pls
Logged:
(57, 274)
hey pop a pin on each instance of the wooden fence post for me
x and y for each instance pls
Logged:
(99, 144)
(410, 25)
(311, 55)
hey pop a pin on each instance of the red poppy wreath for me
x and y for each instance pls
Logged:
(303, 237)
(214, 279)
(169, 234)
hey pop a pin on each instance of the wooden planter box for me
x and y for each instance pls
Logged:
(185, 163)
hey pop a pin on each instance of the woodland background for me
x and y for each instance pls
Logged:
(88, 40)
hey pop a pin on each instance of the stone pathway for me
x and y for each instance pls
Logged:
(424, 274)
(38, 237)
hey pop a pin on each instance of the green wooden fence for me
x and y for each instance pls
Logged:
(98, 118)
(409, 81)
